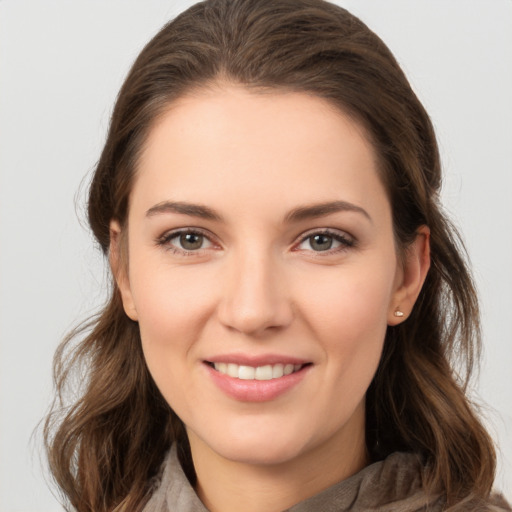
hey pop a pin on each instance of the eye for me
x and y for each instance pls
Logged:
(185, 241)
(325, 241)
(191, 241)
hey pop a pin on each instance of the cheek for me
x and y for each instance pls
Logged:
(172, 308)
(171, 312)
(348, 313)
(350, 300)
(169, 298)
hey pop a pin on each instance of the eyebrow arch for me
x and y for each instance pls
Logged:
(321, 210)
(194, 210)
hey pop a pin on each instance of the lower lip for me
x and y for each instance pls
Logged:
(256, 390)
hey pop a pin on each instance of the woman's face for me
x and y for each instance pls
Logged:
(260, 243)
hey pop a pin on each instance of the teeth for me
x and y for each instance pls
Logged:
(266, 372)
(231, 370)
(288, 368)
(277, 371)
(263, 372)
(246, 372)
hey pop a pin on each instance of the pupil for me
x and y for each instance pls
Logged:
(191, 241)
(321, 242)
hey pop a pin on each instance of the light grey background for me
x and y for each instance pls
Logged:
(61, 65)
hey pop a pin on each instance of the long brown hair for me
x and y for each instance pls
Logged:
(107, 446)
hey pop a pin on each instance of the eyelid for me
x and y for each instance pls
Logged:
(341, 236)
(165, 238)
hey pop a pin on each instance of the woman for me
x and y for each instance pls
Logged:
(288, 298)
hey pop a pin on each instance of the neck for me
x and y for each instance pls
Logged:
(228, 486)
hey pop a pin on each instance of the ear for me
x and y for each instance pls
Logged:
(119, 266)
(410, 277)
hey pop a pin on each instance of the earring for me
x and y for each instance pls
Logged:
(398, 313)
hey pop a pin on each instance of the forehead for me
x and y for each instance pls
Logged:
(271, 146)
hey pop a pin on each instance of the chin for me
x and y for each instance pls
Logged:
(257, 446)
(259, 452)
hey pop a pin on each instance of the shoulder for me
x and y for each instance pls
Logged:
(391, 485)
(400, 478)
(495, 503)
(394, 484)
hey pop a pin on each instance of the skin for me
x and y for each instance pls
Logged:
(258, 286)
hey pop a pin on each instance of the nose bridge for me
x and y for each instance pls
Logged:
(255, 297)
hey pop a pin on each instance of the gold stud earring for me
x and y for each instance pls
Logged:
(398, 313)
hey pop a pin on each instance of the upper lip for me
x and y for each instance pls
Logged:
(256, 360)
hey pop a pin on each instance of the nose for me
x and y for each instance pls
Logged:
(255, 300)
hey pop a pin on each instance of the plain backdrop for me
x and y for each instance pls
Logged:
(61, 65)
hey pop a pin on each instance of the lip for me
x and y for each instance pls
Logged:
(256, 390)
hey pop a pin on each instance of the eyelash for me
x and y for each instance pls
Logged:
(165, 239)
(345, 241)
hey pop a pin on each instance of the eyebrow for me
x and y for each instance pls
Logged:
(298, 214)
(194, 210)
(323, 209)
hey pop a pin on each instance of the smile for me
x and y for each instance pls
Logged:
(256, 381)
(266, 372)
